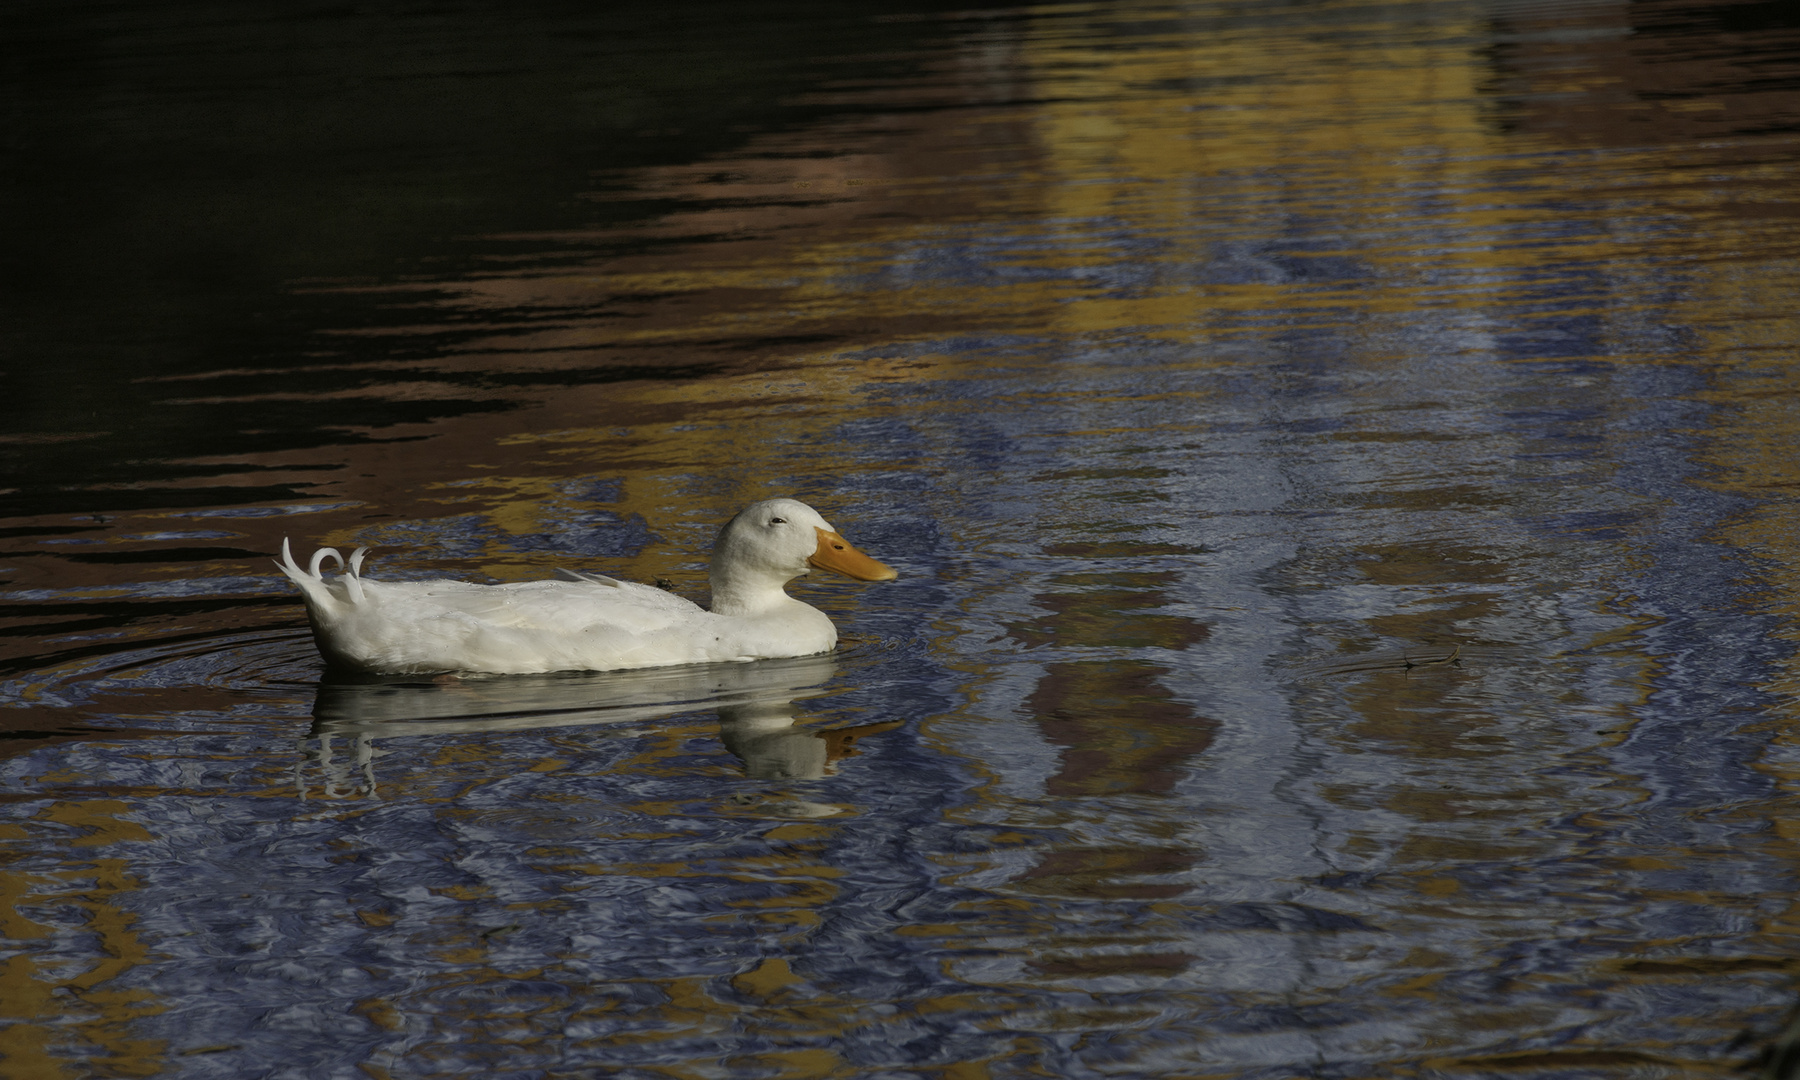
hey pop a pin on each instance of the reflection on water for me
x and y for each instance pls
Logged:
(1340, 464)
(755, 704)
(384, 706)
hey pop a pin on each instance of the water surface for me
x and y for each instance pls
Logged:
(1339, 459)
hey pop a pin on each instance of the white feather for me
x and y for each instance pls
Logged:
(582, 621)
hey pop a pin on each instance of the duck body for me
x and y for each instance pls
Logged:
(587, 622)
(415, 627)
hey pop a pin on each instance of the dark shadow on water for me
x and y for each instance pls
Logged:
(195, 183)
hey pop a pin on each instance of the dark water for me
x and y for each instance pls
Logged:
(1341, 461)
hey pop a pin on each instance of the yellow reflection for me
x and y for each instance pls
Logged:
(51, 1010)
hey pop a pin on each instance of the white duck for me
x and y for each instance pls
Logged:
(587, 622)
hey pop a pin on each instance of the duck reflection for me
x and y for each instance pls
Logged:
(762, 735)
(755, 704)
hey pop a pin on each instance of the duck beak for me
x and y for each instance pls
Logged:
(835, 553)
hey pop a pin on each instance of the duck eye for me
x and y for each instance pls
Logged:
(778, 521)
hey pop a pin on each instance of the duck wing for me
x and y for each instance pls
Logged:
(558, 607)
(430, 626)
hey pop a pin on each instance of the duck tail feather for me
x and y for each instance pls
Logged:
(353, 581)
(286, 563)
(312, 582)
(319, 558)
(353, 578)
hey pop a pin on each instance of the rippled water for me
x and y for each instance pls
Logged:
(1340, 458)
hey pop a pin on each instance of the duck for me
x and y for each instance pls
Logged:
(583, 621)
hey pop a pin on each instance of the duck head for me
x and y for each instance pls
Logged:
(771, 543)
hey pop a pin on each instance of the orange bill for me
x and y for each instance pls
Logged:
(835, 553)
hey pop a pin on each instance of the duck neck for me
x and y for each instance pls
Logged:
(747, 592)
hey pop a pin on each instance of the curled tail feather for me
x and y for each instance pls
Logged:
(312, 580)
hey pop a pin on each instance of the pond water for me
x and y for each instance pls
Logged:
(1340, 460)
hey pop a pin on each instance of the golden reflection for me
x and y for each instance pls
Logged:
(1107, 873)
(1124, 615)
(52, 1009)
(1121, 730)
